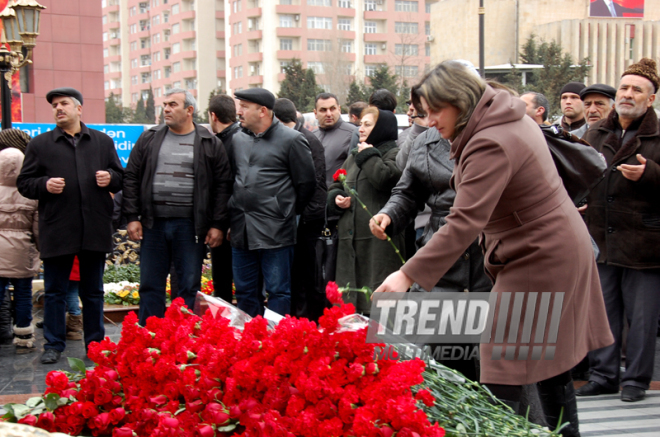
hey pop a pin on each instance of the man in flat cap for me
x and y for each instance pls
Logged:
(598, 100)
(573, 120)
(274, 181)
(623, 216)
(176, 189)
(72, 170)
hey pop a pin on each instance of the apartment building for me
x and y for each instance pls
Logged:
(339, 39)
(163, 44)
(181, 43)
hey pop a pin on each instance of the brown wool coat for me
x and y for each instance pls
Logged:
(624, 216)
(508, 190)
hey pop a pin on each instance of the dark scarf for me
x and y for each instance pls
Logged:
(385, 129)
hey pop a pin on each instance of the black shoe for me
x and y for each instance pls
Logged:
(630, 393)
(39, 325)
(592, 388)
(51, 356)
(556, 401)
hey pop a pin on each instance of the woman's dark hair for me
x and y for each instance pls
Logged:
(450, 83)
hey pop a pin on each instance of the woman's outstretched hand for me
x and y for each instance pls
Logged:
(379, 230)
(397, 282)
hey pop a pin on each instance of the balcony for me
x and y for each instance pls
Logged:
(345, 12)
(347, 34)
(220, 14)
(377, 59)
(111, 8)
(188, 54)
(221, 73)
(186, 15)
(254, 80)
(379, 15)
(375, 37)
(220, 34)
(220, 54)
(254, 34)
(288, 9)
(254, 57)
(289, 54)
(290, 31)
(254, 12)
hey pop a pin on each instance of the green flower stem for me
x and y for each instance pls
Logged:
(354, 193)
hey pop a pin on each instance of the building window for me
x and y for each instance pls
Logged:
(133, 28)
(238, 72)
(286, 44)
(176, 28)
(370, 5)
(133, 46)
(237, 6)
(369, 27)
(134, 63)
(155, 20)
(283, 65)
(156, 74)
(166, 35)
(286, 20)
(319, 2)
(405, 6)
(191, 84)
(146, 77)
(428, 8)
(406, 49)
(144, 7)
(144, 25)
(347, 46)
(427, 28)
(370, 48)
(156, 38)
(237, 28)
(105, 36)
(176, 48)
(344, 24)
(167, 72)
(177, 84)
(405, 27)
(176, 67)
(319, 23)
(347, 69)
(319, 45)
(370, 70)
(427, 50)
(167, 52)
(144, 43)
(238, 49)
(406, 71)
(166, 17)
(344, 3)
(132, 11)
(134, 97)
(106, 69)
(175, 9)
(316, 67)
(134, 80)
(285, 2)
(156, 56)
(145, 60)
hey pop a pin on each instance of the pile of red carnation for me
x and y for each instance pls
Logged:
(186, 375)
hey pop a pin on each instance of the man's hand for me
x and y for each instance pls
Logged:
(379, 231)
(343, 202)
(633, 172)
(397, 282)
(214, 237)
(103, 178)
(134, 230)
(55, 185)
(228, 234)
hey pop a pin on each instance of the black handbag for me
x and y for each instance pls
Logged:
(580, 166)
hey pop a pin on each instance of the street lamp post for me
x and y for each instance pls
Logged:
(482, 13)
(20, 20)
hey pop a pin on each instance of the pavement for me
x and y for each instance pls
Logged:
(23, 376)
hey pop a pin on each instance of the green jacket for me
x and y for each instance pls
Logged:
(362, 259)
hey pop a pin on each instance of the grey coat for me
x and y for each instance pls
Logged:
(425, 181)
(275, 180)
(336, 142)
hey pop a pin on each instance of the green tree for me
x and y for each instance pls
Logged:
(357, 92)
(558, 69)
(402, 98)
(383, 79)
(139, 117)
(114, 113)
(299, 86)
(150, 107)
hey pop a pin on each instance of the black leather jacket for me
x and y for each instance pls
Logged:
(212, 188)
(425, 180)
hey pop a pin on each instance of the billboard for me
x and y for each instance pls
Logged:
(124, 135)
(616, 8)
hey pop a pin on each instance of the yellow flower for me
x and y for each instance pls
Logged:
(135, 295)
(123, 293)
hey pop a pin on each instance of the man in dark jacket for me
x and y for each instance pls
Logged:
(623, 216)
(333, 132)
(222, 117)
(307, 287)
(176, 189)
(72, 170)
(274, 181)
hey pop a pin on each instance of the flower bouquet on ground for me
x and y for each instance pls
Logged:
(121, 293)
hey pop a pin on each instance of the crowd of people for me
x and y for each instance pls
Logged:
(469, 193)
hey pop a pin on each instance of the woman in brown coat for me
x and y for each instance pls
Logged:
(509, 194)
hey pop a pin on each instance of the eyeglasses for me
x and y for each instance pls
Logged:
(408, 102)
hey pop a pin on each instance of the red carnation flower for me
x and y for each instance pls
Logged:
(339, 175)
(333, 294)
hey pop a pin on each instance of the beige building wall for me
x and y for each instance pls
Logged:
(610, 43)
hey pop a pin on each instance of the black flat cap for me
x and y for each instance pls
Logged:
(67, 92)
(259, 96)
(599, 88)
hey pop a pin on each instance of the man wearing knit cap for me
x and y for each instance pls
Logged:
(573, 120)
(274, 181)
(623, 217)
(598, 101)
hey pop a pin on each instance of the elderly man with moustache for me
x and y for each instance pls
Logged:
(624, 218)
(598, 100)
(72, 170)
